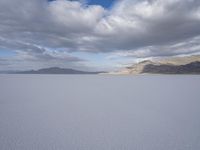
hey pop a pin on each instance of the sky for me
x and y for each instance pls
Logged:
(95, 34)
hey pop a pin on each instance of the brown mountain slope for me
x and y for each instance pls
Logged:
(175, 65)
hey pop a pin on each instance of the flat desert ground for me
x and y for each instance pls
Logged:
(99, 112)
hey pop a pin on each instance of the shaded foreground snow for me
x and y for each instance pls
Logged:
(91, 112)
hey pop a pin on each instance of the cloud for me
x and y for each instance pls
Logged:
(134, 24)
(52, 31)
(41, 32)
(56, 24)
(29, 55)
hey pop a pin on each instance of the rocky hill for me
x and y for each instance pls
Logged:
(55, 70)
(191, 68)
(175, 65)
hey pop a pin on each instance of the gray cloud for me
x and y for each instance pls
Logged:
(50, 31)
(149, 23)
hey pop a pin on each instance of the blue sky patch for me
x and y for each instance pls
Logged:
(103, 3)
(6, 53)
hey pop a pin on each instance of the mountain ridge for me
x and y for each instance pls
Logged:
(191, 68)
(175, 65)
(53, 70)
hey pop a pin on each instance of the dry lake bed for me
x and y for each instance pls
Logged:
(99, 112)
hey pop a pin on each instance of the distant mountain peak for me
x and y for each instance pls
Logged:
(191, 68)
(179, 65)
(56, 70)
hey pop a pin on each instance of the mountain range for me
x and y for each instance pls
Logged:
(175, 65)
(52, 70)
